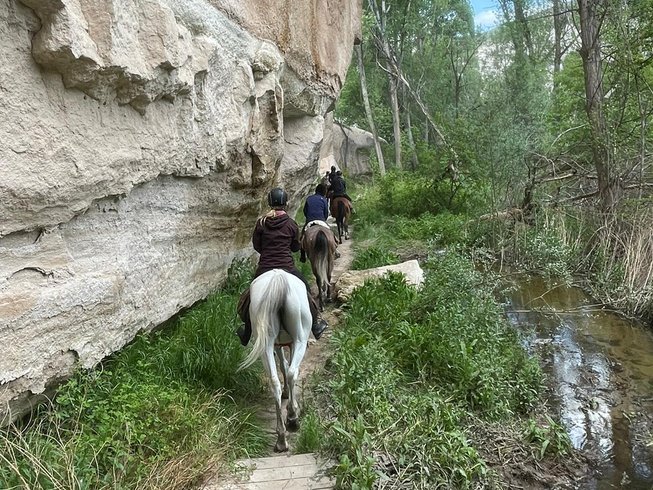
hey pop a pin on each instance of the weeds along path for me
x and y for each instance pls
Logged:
(317, 352)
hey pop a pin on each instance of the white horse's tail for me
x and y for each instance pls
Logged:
(266, 317)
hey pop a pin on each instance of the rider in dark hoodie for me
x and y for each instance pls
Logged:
(276, 237)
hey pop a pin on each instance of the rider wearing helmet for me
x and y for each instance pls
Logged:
(276, 237)
(339, 188)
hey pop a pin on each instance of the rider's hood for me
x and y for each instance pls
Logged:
(276, 221)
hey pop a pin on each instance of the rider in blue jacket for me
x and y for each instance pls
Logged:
(315, 208)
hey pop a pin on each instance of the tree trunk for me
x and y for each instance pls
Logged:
(411, 140)
(558, 31)
(383, 46)
(368, 109)
(396, 119)
(590, 52)
(393, 66)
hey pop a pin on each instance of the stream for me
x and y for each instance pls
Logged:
(600, 369)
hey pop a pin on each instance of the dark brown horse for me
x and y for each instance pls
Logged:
(320, 246)
(341, 212)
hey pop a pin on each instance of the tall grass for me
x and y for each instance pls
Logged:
(156, 415)
(613, 256)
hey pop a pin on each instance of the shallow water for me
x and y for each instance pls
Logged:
(601, 369)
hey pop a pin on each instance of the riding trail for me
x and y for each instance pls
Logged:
(290, 470)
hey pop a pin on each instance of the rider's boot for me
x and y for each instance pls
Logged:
(318, 328)
(244, 333)
(319, 324)
(302, 255)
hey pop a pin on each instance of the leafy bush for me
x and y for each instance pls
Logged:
(409, 365)
(441, 230)
(550, 439)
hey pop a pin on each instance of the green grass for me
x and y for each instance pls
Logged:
(409, 366)
(155, 415)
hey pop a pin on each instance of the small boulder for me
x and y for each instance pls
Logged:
(350, 280)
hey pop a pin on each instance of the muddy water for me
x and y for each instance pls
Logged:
(600, 367)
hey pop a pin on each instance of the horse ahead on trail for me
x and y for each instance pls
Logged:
(280, 317)
(320, 246)
(341, 212)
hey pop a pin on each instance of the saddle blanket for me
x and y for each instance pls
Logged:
(318, 222)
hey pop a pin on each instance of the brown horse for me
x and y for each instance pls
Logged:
(320, 246)
(341, 211)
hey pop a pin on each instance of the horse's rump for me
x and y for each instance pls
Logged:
(340, 206)
(278, 311)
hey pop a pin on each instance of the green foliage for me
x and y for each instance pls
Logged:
(409, 365)
(169, 397)
(411, 195)
(542, 250)
(310, 433)
(370, 257)
(550, 439)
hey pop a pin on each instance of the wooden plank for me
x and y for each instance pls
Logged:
(278, 461)
(294, 484)
(284, 473)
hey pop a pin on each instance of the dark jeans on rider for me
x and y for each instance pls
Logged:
(243, 302)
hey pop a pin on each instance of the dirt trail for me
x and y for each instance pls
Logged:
(317, 352)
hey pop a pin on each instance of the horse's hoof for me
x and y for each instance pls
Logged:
(281, 448)
(284, 394)
(292, 424)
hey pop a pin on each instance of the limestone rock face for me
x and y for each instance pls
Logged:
(140, 138)
(348, 148)
(350, 280)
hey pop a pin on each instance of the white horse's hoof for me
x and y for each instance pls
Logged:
(281, 446)
(292, 424)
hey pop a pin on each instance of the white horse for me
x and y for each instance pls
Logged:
(280, 317)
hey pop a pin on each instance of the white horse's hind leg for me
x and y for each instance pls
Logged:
(283, 363)
(293, 375)
(275, 386)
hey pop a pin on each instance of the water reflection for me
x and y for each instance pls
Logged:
(602, 370)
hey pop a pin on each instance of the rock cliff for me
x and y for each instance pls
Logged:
(139, 138)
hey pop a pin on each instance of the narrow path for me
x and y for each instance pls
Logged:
(292, 471)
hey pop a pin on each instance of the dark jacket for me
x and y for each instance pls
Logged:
(316, 208)
(276, 239)
(338, 187)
